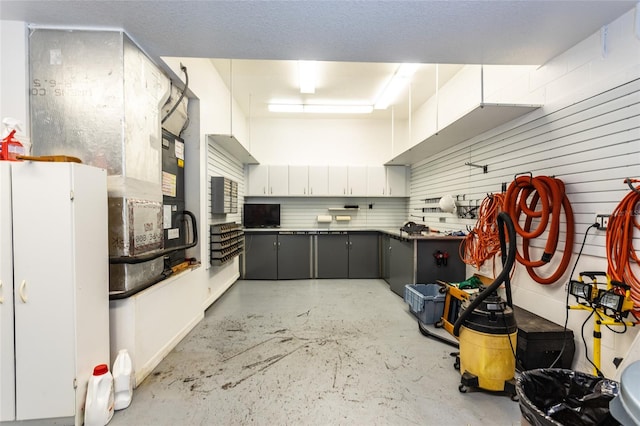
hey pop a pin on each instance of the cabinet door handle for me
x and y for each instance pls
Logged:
(23, 296)
(1, 297)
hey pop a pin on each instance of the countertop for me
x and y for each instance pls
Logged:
(394, 232)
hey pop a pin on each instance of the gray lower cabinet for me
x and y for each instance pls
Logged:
(354, 255)
(364, 255)
(294, 257)
(400, 261)
(385, 243)
(332, 256)
(277, 257)
(422, 262)
(401, 264)
(261, 257)
(429, 269)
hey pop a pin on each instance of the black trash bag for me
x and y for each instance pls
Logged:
(554, 396)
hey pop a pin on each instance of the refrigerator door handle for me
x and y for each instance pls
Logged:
(1, 296)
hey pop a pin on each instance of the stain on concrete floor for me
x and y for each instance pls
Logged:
(312, 354)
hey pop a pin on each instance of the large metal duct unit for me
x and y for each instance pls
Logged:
(96, 96)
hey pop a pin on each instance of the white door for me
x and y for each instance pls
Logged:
(397, 181)
(376, 181)
(7, 372)
(278, 180)
(258, 176)
(338, 180)
(44, 296)
(357, 180)
(61, 280)
(298, 180)
(318, 180)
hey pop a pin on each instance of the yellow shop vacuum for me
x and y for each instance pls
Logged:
(486, 328)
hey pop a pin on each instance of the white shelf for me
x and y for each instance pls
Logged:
(234, 147)
(480, 119)
(342, 209)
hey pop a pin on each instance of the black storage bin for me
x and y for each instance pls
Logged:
(555, 396)
(540, 341)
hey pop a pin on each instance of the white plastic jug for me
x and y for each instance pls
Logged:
(98, 409)
(123, 379)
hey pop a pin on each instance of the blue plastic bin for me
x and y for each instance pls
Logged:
(425, 301)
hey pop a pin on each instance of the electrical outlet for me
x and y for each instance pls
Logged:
(602, 219)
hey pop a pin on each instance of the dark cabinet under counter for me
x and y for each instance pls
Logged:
(364, 255)
(332, 256)
(277, 256)
(272, 254)
(294, 257)
(423, 261)
(260, 259)
(348, 255)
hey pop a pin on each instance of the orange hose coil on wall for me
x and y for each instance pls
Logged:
(621, 255)
(482, 243)
(522, 198)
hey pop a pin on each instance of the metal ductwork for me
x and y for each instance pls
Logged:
(96, 96)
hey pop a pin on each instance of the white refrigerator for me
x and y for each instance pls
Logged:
(54, 293)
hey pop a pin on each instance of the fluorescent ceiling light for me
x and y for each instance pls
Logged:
(322, 109)
(338, 109)
(399, 81)
(286, 108)
(307, 76)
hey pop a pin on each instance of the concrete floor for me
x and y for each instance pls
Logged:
(312, 352)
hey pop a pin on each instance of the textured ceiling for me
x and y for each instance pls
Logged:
(427, 31)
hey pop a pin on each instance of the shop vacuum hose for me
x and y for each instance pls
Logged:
(508, 260)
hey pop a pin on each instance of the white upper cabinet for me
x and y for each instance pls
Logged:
(338, 180)
(258, 176)
(318, 180)
(267, 180)
(298, 180)
(397, 181)
(278, 180)
(376, 181)
(357, 178)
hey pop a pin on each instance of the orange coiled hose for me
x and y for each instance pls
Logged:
(522, 198)
(482, 242)
(619, 242)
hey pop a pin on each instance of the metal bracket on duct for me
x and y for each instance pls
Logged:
(178, 122)
(132, 260)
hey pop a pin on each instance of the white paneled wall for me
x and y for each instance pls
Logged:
(302, 212)
(588, 135)
(591, 145)
(221, 163)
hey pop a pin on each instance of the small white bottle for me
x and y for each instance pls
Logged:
(98, 409)
(123, 379)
